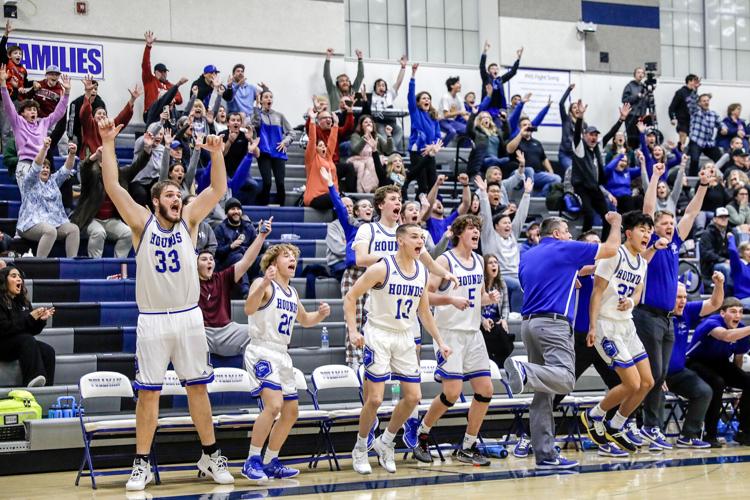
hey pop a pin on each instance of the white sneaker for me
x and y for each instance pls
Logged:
(215, 466)
(140, 476)
(385, 455)
(37, 381)
(361, 461)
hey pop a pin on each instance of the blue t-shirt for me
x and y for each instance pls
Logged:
(437, 227)
(548, 275)
(690, 317)
(704, 347)
(660, 289)
(581, 321)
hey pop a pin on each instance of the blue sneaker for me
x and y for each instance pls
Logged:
(559, 463)
(653, 448)
(522, 449)
(655, 437)
(371, 435)
(276, 470)
(409, 437)
(634, 433)
(612, 450)
(253, 469)
(695, 443)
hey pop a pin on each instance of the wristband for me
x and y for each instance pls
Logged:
(703, 185)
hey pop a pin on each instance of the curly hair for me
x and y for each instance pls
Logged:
(269, 258)
(5, 296)
(381, 193)
(461, 223)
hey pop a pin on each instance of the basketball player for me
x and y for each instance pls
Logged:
(618, 283)
(397, 286)
(458, 312)
(272, 307)
(170, 324)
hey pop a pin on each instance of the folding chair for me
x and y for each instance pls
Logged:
(507, 402)
(237, 380)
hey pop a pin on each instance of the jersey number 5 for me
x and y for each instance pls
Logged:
(403, 313)
(163, 266)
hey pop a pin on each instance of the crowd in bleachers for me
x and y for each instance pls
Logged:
(355, 154)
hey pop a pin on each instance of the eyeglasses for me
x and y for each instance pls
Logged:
(742, 194)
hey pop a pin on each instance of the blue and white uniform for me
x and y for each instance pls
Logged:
(389, 342)
(170, 324)
(270, 328)
(460, 329)
(616, 339)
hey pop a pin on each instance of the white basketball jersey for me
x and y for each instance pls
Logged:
(471, 282)
(274, 321)
(381, 240)
(166, 276)
(393, 305)
(624, 272)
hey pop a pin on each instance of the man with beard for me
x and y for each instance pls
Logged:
(170, 325)
(154, 82)
(343, 86)
(235, 142)
(233, 236)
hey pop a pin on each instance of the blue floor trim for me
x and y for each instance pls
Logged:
(460, 477)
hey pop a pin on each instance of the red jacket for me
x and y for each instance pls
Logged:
(47, 97)
(344, 131)
(17, 79)
(151, 84)
(90, 130)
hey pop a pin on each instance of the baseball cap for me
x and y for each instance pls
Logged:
(721, 212)
(53, 68)
(740, 152)
(591, 130)
(160, 67)
(232, 202)
(175, 144)
(211, 69)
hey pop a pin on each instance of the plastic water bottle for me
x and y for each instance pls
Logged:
(395, 393)
(324, 338)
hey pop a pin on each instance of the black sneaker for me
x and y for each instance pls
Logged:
(619, 437)
(742, 438)
(471, 456)
(594, 427)
(422, 451)
(715, 443)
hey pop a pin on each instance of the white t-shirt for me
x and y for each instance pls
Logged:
(380, 103)
(624, 272)
(450, 103)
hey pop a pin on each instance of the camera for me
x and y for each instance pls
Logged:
(532, 129)
(651, 69)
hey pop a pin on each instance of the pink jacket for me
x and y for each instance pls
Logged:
(30, 136)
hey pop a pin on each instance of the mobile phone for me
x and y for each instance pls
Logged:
(263, 227)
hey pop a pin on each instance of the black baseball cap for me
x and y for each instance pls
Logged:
(591, 130)
(160, 67)
(740, 152)
(232, 202)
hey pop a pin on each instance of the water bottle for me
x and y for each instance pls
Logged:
(324, 338)
(395, 393)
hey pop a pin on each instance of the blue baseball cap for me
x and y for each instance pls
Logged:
(175, 144)
(211, 69)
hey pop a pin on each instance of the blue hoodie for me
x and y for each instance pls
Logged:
(425, 130)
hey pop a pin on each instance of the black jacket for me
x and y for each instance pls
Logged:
(16, 319)
(205, 90)
(634, 93)
(713, 249)
(678, 108)
(588, 165)
(73, 127)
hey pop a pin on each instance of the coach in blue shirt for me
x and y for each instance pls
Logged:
(548, 276)
(651, 316)
(682, 380)
(716, 339)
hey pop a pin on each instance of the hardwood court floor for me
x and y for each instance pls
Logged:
(684, 475)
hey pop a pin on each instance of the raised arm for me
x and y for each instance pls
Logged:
(400, 77)
(609, 247)
(564, 116)
(465, 204)
(694, 207)
(678, 181)
(649, 199)
(252, 252)
(624, 112)
(523, 208)
(205, 202)
(260, 291)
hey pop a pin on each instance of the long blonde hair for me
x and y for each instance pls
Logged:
(491, 130)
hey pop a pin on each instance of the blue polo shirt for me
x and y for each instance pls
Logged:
(548, 275)
(689, 319)
(581, 321)
(704, 347)
(661, 277)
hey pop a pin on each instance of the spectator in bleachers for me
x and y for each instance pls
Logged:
(737, 159)
(90, 117)
(511, 189)
(207, 82)
(383, 98)
(345, 172)
(319, 157)
(497, 337)
(5, 245)
(28, 129)
(164, 109)
(235, 142)
(481, 129)
(395, 172)
(95, 213)
(517, 115)
(679, 112)
(42, 216)
(490, 76)
(275, 137)
(198, 122)
(47, 93)
(735, 180)
(619, 177)
(666, 199)
(226, 337)
(140, 186)
(244, 94)
(715, 340)
(233, 237)
(501, 238)
(739, 210)
(734, 126)
(17, 84)
(453, 116)
(156, 82)
(739, 267)
(704, 127)
(635, 94)
(220, 119)
(656, 153)
(343, 86)
(206, 241)
(336, 241)
(717, 197)
(365, 143)
(19, 324)
(532, 237)
(173, 165)
(567, 124)
(713, 246)
(534, 156)
(73, 126)
(434, 214)
(424, 139)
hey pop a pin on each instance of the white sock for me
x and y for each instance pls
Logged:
(361, 442)
(387, 437)
(468, 441)
(423, 429)
(254, 451)
(415, 413)
(270, 455)
(618, 421)
(597, 412)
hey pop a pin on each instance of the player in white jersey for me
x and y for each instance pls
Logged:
(272, 307)
(170, 325)
(458, 313)
(618, 283)
(398, 294)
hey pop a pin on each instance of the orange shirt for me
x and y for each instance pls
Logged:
(316, 186)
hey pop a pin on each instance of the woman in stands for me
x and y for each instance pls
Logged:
(275, 137)
(365, 144)
(19, 323)
(495, 316)
(666, 199)
(736, 127)
(319, 159)
(424, 140)
(42, 216)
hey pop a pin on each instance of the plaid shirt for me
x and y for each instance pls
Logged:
(703, 124)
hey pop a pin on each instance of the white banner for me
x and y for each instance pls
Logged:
(542, 84)
(77, 59)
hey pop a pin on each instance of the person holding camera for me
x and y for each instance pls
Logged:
(635, 93)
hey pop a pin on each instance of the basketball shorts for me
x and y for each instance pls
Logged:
(468, 360)
(176, 337)
(618, 344)
(416, 331)
(270, 367)
(390, 355)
